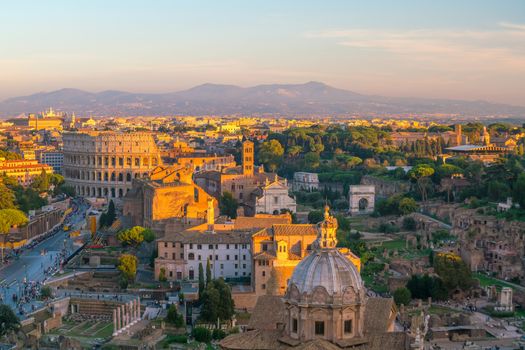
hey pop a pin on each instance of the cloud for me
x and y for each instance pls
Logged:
(500, 48)
(513, 26)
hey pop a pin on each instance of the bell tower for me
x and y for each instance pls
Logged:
(247, 158)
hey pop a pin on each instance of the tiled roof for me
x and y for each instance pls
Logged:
(198, 237)
(264, 255)
(268, 312)
(294, 230)
(377, 315)
(266, 221)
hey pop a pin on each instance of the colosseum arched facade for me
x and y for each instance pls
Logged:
(104, 163)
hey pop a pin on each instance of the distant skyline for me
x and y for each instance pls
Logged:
(463, 49)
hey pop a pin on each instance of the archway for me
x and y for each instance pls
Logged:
(363, 204)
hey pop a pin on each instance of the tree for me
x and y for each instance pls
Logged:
(453, 272)
(312, 160)
(8, 320)
(128, 266)
(210, 303)
(7, 197)
(46, 292)
(202, 334)
(402, 295)
(421, 173)
(409, 223)
(202, 283)
(217, 302)
(271, 154)
(149, 235)
(111, 214)
(133, 236)
(174, 317)
(8, 219)
(162, 275)
(228, 205)
(519, 190)
(315, 216)
(407, 205)
(208, 272)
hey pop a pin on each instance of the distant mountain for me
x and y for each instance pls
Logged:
(283, 99)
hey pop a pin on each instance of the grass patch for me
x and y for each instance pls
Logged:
(393, 245)
(105, 331)
(485, 280)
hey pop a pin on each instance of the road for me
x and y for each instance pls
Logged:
(31, 263)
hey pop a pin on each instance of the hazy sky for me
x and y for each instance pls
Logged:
(456, 49)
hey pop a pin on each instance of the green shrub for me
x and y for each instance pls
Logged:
(201, 334)
(218, 334)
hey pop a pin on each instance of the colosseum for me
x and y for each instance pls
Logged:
(103, 163)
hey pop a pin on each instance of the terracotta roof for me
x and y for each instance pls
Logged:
(294, 230)
(378, 315)
(197, 237)
(268, 312)
(266, 221)
(264, 255)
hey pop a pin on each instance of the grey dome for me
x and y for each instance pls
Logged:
(329, 269)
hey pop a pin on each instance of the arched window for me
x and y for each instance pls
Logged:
(120, 177)
(191, 256)
(128, 177)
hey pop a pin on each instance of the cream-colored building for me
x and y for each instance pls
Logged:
(104, 163)
(24, 171)
(273, 197)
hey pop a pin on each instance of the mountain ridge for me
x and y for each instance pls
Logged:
(309, 98)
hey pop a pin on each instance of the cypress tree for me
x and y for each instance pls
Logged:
(111, 214)
(201, 280)
(208, 272)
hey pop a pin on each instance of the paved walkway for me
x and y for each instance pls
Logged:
(32, 263)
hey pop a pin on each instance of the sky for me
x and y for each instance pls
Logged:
(460, 49)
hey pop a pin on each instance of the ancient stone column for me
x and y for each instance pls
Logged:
(123, 312)
(119, 325)
(138, 309)
(115, 322)
(130, 312)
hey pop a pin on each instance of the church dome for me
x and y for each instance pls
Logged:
(330, 270)
(326, 275)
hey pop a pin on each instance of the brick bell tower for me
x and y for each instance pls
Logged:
(247, 158)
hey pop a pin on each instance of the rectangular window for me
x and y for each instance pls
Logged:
(192, 275)
(191, 245)
(294, 325)
(216, 257)
(210, 246)
(199, 246)
(348, 326)
(222, 266)
(228, 257)
(227, 246)
(319, 327)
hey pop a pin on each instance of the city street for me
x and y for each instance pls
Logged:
(32, 262)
